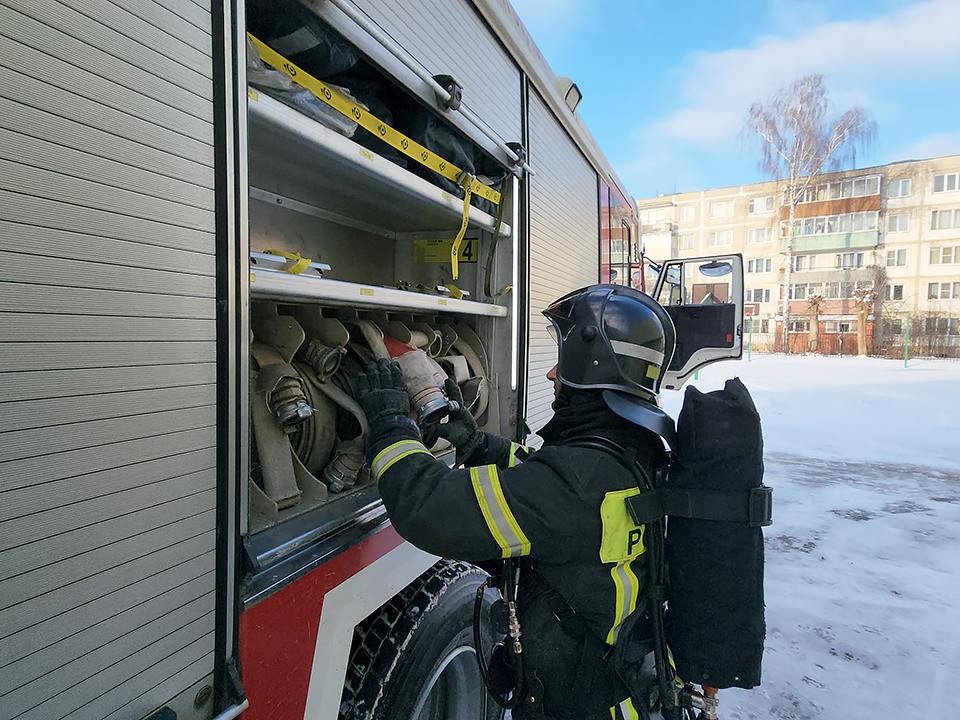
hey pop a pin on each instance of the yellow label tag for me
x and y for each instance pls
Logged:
(653, 372)
(441, 301)
(622, 538)
(252, 277)
(438, 251)
(366, 291)
(366, 154)
(253, 94)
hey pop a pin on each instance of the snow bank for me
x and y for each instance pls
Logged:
(852, 408)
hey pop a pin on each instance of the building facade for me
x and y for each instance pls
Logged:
(894, 228)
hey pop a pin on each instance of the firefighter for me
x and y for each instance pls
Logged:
(560, 509)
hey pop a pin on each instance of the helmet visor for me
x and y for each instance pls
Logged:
(552, 332)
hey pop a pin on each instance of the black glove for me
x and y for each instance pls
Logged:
(460, 429)
(382, 395)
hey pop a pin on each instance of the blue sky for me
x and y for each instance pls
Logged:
(666, 84)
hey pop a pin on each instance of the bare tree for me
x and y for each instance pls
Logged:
(814, 302)
(863, 300)
(798, 143)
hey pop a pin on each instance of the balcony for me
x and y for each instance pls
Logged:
(861, 240)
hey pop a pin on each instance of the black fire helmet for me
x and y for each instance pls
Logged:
(619, 340)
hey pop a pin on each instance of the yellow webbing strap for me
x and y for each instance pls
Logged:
(466, 182)
(371, 123)
(300, 263)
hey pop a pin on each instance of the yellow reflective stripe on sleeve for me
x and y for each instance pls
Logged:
(497, 514)
(392, 454)
(627, 589)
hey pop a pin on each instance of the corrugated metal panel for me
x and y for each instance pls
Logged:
(448, 37)
(107, 355)
(564, 244)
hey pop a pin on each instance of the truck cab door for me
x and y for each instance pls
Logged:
(704, 298)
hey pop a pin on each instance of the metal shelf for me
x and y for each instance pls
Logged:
(279, 285)
(296, 157)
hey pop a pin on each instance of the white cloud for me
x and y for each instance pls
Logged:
(936, 145)
(718, 87)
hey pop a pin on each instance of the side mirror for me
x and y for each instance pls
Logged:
(716, 268)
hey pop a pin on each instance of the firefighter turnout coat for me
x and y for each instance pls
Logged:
(562, 508)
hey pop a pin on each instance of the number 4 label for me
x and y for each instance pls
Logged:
(438, 251)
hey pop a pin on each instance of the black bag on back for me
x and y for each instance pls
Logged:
(715, 621)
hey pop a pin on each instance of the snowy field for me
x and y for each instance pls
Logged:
(863, 559)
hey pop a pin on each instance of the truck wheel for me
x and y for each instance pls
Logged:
(414, 659)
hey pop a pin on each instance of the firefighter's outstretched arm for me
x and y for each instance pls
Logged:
(477, 513)
(473, 446)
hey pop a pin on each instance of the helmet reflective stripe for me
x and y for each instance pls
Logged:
(638, 351)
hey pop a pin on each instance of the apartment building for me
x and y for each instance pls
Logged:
(895, 227)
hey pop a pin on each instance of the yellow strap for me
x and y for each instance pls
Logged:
(371, 123)
(300, 263)
(465, 182)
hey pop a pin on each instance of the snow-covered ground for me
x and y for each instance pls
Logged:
(863, 559)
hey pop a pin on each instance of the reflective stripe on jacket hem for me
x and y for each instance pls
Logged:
(624, 711)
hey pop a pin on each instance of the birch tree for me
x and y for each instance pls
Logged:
(798, 143)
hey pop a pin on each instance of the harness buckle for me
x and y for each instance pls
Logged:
(760, 507)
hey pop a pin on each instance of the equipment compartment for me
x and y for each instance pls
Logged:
(350, 259)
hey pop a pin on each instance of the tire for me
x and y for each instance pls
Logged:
(414, 659)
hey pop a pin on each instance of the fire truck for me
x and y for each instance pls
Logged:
(211, 213)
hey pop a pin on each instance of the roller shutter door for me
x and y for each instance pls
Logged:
(449, 37)
(564, 242)
(107, 356)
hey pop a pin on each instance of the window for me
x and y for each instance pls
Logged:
(831, 290)
(764, 326)
(848, 222)
(721, 237)
(759, 265)
(804, 262)
(900, 188)
(945, 255)
(943, 291)
(900, 222)
(894, 292)
(798, 291)
(893, 326)
(896, 258)
(757, 295)
(686, 241)
(688, 213)
(760, 205)
(720, 209)
(849, 260)
(756, 236)
(799, 326)
(946, 183)
(853, 187)
(944, 219)
(840, 326)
